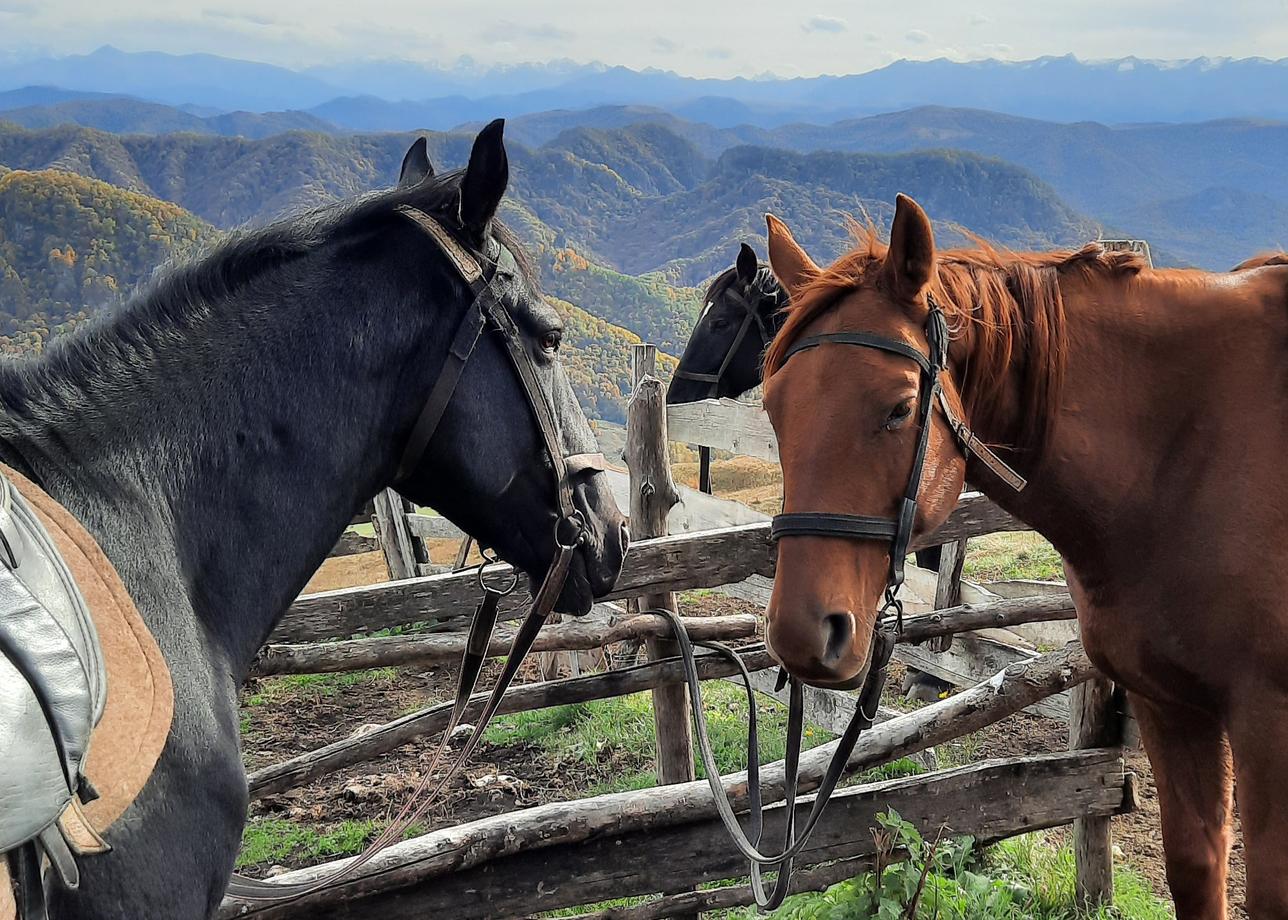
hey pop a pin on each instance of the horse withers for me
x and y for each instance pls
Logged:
(1146, 409)
(216, 435)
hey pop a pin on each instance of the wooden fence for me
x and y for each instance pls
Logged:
(667, 841)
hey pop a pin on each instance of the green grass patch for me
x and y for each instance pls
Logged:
(612, 741)
(314, 687)
(1009, 556)
(1026, 878)
(275, 840)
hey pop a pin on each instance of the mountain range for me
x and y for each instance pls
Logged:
(111, 163)
(400, 96)
(638, 200)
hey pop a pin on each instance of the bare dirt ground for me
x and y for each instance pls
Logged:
(502, 779)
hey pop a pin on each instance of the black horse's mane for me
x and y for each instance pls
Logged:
(183, 293)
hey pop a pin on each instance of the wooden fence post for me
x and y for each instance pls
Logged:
(1093, 724)
(394, 535)
(653, 493)
(948, 587)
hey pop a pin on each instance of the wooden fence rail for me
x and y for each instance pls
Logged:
(682, 562)
(455, 849)
(566, 854)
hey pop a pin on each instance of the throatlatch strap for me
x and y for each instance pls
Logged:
(972, 444)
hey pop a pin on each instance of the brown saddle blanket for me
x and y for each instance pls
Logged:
(127, 742)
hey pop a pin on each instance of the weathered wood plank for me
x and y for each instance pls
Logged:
(1093, 723)
(570, 635)
(675, 563)
(974, 658)
(351, 544)
(433, 527)
(573, 853)
(726, 424)
(694, 512)
(809, 878)
(652, 496)
(395, 538)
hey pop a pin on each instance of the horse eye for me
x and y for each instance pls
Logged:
(898, 415)
(552, 340)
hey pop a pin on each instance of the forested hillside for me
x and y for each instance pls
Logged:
(71, 247)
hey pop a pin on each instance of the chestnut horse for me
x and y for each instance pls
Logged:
(1148, 410)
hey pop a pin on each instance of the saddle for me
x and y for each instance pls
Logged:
(52, 693)
(84, 694)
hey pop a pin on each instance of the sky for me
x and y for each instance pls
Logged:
(705, 38)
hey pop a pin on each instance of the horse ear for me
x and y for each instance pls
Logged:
(415, 166)
(485, 179)
(910, 263)
(791, 264)
(747, 263)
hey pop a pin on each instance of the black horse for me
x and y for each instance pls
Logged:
(218, 433)
(743, 312)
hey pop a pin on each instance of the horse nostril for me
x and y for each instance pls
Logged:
(626, 536)
(840, 631)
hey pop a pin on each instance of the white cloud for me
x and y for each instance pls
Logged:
(716, 38)
(824, 24)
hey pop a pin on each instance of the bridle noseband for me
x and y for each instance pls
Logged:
(751, 315)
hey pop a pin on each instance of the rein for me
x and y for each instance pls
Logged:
(752, 314)
(898, 532)
(487, 310)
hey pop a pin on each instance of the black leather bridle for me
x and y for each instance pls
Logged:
(898, 531)
(487, 310)
(752, 316)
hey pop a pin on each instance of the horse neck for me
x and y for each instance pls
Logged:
(245, 436)
(1155, 361)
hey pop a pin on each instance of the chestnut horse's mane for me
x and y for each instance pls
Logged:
(1012, 299)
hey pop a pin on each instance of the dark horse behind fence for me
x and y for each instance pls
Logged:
(218, 433)
(1148, 410)
(742, 310)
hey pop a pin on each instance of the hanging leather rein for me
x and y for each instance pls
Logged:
(487, 310)
(898, 532)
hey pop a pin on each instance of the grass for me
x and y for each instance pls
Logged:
(1030, 877)
(314, 687)
(612, 741)
(1046, 868)
(1008, 556)
(276, 840)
